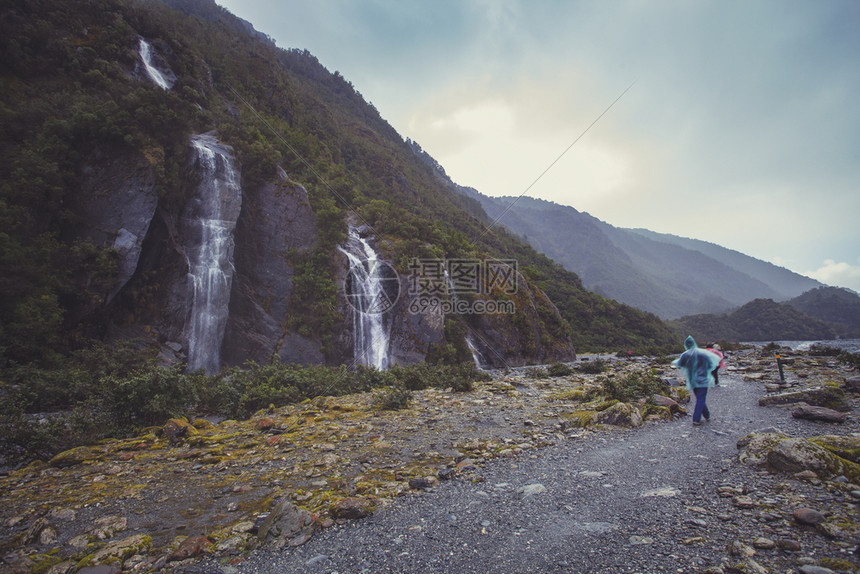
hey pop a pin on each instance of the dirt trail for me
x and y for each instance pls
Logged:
(643, 500)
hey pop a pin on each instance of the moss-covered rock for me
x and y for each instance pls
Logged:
(797, 454)
(847, 447)
(829, 397)
(620, 415)
(175, 430)
(352, 508)
(75, 456)
(581, 418)
(123, 548)
(754, 447)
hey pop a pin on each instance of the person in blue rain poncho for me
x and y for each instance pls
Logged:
(698, 365)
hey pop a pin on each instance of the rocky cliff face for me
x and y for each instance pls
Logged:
(157, 246)
(522, 337)
(270, 220)
(115, 207)
(276, 217)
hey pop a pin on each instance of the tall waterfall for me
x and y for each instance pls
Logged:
(208, 224)
(163, 80)
(367, 293)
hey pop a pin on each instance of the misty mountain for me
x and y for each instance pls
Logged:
(663, 274)
(788, 283)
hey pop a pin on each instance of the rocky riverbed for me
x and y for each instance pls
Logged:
(297, 486)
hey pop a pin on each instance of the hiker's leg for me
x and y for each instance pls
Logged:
(701, 393)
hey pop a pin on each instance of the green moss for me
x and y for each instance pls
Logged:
(603, 405)
(842, 446)
(663, 412)
(577, 395)
(581, 419)
(43, 562)
(839, 564)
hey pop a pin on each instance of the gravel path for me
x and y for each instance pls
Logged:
(614, 501)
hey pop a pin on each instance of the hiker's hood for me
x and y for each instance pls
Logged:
(689, 342)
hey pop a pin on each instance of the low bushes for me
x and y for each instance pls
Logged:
(114, 393)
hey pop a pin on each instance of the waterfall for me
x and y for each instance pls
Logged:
(164, 81)
(370, 300)
(208, 225)
(452, 293)
(476, 355)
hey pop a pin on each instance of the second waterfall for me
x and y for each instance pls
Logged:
(371, 289)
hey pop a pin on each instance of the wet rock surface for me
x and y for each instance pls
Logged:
(525, 487)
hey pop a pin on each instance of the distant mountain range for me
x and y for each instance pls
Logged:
(701, 288)
(822, 313)
(663, 274)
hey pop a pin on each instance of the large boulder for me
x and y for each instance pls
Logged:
(123, 548)
(822, 414)
(671, 404)
(794, 455)
(754, 447)
(847, 447)
(74, 456)
(189, 548)
(175, 430)
(352, 508)
(287, 525)
(620, 415)
(829, 397)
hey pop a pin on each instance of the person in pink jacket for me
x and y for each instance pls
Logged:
(715, 349)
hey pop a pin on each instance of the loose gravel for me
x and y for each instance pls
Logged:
(642, 500)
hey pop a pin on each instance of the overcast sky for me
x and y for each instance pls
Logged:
(742, 125)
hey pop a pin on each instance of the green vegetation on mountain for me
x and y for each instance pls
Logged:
(838, 307)
(73, 94)
(758, 320)
(68, 94)
(821, 313)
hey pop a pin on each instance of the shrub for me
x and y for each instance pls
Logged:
(559, 370)
(635, 386)
(769, 349)
(392, 398)
(594, 367)
(537, 373)
(146, 397)
(423, 375)
(850, 359)
(824, 351)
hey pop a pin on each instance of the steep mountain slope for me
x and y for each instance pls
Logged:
(663, 274)
(107, 233)
(787, 283)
